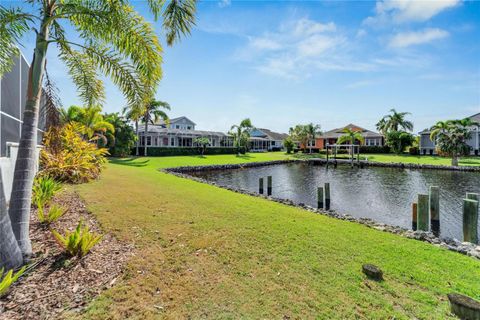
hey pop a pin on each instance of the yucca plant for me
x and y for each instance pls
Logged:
(52, 215)
(78, 242)
(44, 188)
(9, 278)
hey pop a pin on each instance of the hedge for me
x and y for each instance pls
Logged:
(184, 151)
(374, 149)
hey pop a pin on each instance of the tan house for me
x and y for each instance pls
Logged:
(371, 138)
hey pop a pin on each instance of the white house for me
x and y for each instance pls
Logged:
(180, 132)
(427, 146)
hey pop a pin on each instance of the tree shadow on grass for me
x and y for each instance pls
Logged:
(129, 162)
(244, 156)
(470, 162)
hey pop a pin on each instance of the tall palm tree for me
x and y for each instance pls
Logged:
(134, 114)
(451, 137)
(350, 136)
(439, 128)
(115, 40)
(394, 122)
(241, 135)
(153, 113)
(312, 132)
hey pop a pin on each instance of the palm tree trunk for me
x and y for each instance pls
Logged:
(24, 173)
(10, 254)
(454, 160)
(145, 137)
(138, 137)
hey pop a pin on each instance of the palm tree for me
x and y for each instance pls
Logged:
(152, 114)
(451, 137)
(95, 127)
(312, 132)
(394, 122)
(350, 136)
(300, 134)
(439, 128)
(134, 114)
(116, 41)
(241, 135)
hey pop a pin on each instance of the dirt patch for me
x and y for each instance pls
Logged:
(56, 284)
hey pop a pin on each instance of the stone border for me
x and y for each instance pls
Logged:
(452, 244)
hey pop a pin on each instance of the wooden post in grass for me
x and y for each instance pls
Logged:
(260, 185)
(414, 216)
(327, 196)
(470, 220)
(434, 204)
(269, 185)
(423, 217)
(320, 197)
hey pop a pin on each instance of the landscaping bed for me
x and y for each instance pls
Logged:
(54, 283)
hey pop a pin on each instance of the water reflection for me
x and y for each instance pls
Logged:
(382, 194)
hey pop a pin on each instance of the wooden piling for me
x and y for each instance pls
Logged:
(320, 197)
(269, 185)
(434, 205)
(414, 216)
(470, 220)
(423, 217)
(473, 196)
(260, 185)
(327, 196)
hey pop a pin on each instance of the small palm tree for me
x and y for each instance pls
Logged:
(394, 122)
(351, 136)
(241, 135)
(312, 131)
(95, 127)
(115, 41)
(451, 137)
(300, 134)
(153, 113)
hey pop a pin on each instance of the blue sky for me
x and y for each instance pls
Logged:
(330, 63)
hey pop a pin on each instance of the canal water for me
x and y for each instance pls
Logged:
(382, 194)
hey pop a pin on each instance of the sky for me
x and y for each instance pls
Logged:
(330, 63)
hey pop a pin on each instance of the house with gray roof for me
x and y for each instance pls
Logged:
(427, 146)
(371, 138)
(180, 132)
(266, 140)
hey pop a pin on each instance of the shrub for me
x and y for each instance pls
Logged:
(413, 151)
(54, 213)
(374, 149)
(44, 188)
(9, 279)
(78, 242)
(399, 140)
(289, 144)
(67, 157)
(186, 151)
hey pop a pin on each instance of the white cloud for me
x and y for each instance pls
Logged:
(318, 44)
(224, 3)
(400, 11)
(265, 43)
(305, 27)
(406, 39)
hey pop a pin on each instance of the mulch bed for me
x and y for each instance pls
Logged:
(57, 283)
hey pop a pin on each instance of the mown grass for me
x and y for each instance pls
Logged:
(205, 252)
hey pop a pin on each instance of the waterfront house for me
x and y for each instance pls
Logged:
(180, 133)
(266, 140)
(427, 146)
(371, 138)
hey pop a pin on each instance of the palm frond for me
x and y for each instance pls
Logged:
(178, 19)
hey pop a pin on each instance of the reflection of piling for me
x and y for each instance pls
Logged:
(434, 203)
(327, 196)
(320, 197)
(414, 216)
(423, 218)
(470, 220)
(473, 196)
(269, 185)
(260, 185)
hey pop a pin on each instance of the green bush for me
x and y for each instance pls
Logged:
(185, 151)
(44, 188)
(52, 215)
(79, 242)
(414, 151)
(374, 149)
(9, 278)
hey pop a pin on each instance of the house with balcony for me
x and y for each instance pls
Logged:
(371, 138)
(427, 146)
(180, 133)
(262, 140)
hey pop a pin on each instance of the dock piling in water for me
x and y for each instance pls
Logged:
(470, 220)
(414, 216)
(434, 204)
(320, 197)
(269, 185)
(260, 185)
(423, 216)
(327, 196)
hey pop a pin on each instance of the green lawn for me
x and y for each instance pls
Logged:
(206, 252)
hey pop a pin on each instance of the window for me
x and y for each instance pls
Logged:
(273, 143)
(149, 141)
(142, 140)
(172, 142)
(177, 127)
(189, 128)
(213, 142)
